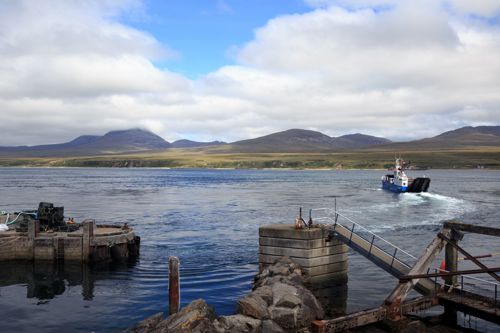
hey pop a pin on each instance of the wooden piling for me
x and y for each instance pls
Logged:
(88, 234)
(451, 265)
(451, 260)
(173, 285)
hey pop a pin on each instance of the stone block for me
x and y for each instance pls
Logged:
(288, 231)
(325, 269)
(298, 243)
(304, 262)
(303, 253)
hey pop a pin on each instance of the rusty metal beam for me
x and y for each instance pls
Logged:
(371, 316)
(468, 256)
(477, 229)
(442, 274)
(351, 321)
(399, 293)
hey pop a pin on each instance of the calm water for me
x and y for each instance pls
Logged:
(210, 219)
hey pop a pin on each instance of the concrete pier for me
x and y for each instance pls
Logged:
(323, 259)
(90, 242)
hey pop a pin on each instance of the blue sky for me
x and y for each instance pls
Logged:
(205, 32)
(237, 69)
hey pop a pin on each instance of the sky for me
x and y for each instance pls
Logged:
(236, 69)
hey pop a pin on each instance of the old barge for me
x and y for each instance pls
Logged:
(44, 234)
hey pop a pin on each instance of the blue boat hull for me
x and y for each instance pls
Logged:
(393, 187)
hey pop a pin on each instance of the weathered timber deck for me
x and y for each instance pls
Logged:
(473, 304)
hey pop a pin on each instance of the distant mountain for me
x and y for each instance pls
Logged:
(194, 144)
(113, 142)
(129, 140)
(462, 137)
(299, 140)
(486, 134)
(289, 141)
(359, 140)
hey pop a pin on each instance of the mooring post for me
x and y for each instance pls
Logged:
(173, 285)
(33, 231)
(88, 234)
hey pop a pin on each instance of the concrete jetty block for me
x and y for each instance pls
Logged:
(86, 243)
(322, 258)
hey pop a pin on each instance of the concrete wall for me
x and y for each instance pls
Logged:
(324, 260)
(84, 246)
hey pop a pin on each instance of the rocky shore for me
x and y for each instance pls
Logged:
(279, 302)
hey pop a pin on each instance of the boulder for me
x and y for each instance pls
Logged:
(289, 301)
(269, 326)
(284, 317)
(266, 293)
(309, 300)
(281, 289)
(196, 317)
(237, 324)
(147, 325)
(253, 306)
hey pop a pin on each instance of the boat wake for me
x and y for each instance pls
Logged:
(413, 210)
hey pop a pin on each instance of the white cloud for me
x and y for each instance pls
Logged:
(486, 8)
(352, 4)
(410, 70)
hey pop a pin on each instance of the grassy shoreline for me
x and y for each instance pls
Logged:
(488, 158)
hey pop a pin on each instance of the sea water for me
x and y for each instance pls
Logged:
(210, 220)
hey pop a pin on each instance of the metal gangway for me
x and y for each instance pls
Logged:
(468, 294)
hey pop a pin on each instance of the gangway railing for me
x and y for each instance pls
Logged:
(396, 260)
(472, 295)
(380, 251)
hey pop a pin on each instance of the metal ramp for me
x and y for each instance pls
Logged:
(476, 296)
(381, 252)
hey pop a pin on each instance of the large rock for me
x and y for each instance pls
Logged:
(252, 305)
(281, 289)
(266, 293)
(147, 325)
(237, 324)
(269, 326)
(309, 300)
(197, 317)
(289, 301)
(284, 317)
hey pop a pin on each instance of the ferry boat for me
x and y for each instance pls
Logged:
(399, 182)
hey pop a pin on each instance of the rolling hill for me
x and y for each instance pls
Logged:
(117, 148)
(299, 140)
(464, 137)
(114, 142)
(183, 143)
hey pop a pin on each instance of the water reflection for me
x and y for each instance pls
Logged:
(47, 280)
(333, 299)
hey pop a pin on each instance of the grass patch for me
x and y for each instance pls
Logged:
(471, 157)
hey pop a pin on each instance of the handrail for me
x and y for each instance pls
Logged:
(370, 232)
(334, 212)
